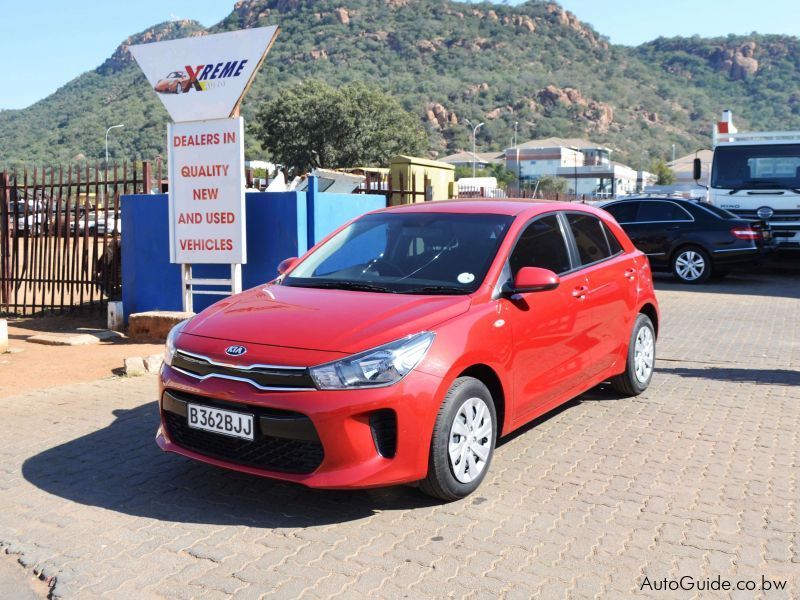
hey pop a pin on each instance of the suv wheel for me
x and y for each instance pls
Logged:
(640, 361)
(691, 264)
(463, 441)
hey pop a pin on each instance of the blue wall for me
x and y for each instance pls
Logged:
(279, 225)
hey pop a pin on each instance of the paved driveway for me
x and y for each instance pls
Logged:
(698, 477)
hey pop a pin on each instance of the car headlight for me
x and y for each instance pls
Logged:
(170, 349)
(378, 367)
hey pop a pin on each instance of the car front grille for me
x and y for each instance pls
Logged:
(300, 455)
(777, 216)
(264, 377)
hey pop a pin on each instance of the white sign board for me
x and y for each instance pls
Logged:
(204, 77)
(206, 192)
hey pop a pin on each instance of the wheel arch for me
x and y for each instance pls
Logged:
(649, 309)
(489, 377)
(686, 244)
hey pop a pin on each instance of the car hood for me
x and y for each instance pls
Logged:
(323, 319)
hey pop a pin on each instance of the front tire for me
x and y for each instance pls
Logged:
(691, 264)
(463, 440)
(640, 361)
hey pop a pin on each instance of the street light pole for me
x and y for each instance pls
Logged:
(107, 130)
(474, 134)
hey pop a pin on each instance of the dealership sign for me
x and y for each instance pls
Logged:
(201, 81)
(204, 77)
(206, 186)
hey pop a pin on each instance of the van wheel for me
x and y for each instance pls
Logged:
(463, 441)
(641, 359)
(691, 264)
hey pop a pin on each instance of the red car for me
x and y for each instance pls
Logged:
(176, 82)
(403, 345)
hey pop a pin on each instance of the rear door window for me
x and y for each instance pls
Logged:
(590, 238)
(655, 211)
(624, 212)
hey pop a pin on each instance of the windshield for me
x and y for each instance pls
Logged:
(763, 166)
(406, 252)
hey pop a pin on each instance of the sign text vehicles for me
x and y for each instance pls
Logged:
(206, 173)
(204, 77)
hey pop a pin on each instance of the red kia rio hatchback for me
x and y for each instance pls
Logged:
(401, 347)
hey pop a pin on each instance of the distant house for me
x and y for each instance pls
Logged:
(482, 159)
(586, 165)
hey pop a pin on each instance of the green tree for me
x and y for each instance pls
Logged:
(503, 175)
(549, 184)
(313, 125)
(664, 175)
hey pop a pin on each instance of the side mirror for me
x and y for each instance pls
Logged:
(287, 264)
(697, 169)
(534, 279)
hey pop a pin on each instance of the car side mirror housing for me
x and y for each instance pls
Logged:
(697, 169)
(534, 279)
(286, 264)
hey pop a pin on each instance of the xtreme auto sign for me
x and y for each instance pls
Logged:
(201, 81)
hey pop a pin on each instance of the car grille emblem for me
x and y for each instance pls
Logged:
(765, 212)
(235, 350)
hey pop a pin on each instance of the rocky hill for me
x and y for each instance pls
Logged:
(535, 64)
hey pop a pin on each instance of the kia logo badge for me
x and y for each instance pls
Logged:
(235, 350)
(765, 212)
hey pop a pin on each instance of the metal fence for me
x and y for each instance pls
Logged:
(60, 231)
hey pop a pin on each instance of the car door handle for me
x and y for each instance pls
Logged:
(630, 274)
(673, 228)
(580, 291)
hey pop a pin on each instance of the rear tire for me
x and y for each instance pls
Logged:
(640, 361)
(463, 440)
(691, 264)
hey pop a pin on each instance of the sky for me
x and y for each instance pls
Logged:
(46, 43)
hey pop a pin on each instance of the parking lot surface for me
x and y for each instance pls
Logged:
(697, 477)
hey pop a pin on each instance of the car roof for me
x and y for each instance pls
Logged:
(650, 199)
(506, 206)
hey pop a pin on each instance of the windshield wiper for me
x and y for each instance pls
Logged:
(433, 289)
(756, 184)
(358, 286)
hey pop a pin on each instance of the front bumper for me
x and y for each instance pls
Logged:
(323, 439)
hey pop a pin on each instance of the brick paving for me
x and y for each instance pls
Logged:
(699, 477)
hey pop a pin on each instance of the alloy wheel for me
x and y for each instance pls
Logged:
(643, 353)
(470, 442)
(690, 265)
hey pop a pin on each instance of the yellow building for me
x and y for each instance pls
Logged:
(429, 179)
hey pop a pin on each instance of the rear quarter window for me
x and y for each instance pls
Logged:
(590, 237)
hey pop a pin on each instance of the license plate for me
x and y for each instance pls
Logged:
(224, 422)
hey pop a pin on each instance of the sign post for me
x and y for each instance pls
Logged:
(201, 82)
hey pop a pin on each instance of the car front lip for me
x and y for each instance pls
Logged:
(342, 422)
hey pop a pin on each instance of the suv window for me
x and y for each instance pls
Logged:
(653, 210)
(590, 237)
(624, 212)
(542, 245)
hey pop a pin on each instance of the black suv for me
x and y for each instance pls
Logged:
(692, 239)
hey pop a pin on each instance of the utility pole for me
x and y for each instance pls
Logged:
(575, 170)
(474, 134)
(107, 130)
